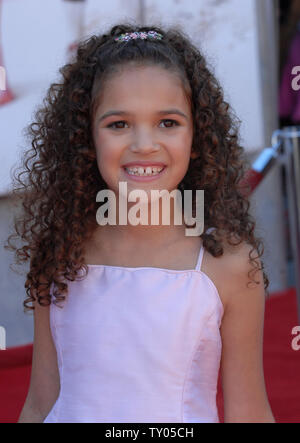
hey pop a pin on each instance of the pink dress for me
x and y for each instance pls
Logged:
(138, 345)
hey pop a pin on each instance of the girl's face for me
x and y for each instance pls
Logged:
(143, 118)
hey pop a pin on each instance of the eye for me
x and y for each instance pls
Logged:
(173, 121)
(111, 125)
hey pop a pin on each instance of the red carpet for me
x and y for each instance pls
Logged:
(281, 366)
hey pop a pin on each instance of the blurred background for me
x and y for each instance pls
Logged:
(250, 46)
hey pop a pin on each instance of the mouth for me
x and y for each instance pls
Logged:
(144, 173)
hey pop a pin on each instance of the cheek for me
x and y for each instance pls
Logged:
(108, 159)
(106, 150)
(181, 149)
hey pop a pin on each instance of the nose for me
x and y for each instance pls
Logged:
(143, 142)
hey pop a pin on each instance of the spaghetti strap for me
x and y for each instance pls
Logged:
(200, 258)
(201, 252)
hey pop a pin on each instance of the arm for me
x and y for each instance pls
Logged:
(244, 392)
(44, 383)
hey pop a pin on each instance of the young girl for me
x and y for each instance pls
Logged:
(133, 322)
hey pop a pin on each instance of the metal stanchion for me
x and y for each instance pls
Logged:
(264, 162)
(286, 149)
(291, 161)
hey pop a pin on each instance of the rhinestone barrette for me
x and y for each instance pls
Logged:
(152, 35)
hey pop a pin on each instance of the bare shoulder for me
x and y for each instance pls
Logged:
(230, 272)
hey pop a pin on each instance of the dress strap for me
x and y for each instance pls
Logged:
(200, 258)
(201, 252)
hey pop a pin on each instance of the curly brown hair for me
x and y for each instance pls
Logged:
(61, 173)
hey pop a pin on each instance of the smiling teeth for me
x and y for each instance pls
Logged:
(144, 171)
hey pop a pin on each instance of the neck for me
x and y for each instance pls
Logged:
(152, 234)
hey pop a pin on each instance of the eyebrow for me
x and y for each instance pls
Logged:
(117, 112)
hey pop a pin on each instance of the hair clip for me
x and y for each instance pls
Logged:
(152, 35)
